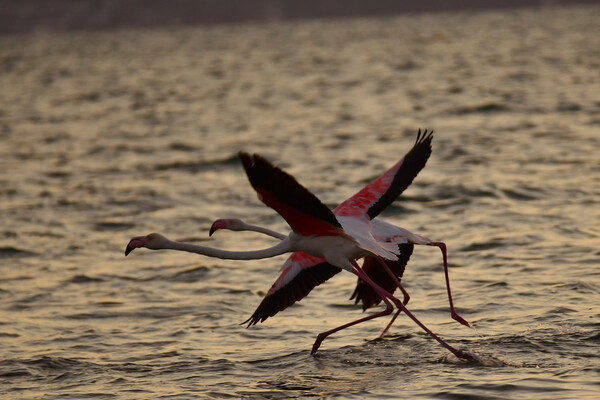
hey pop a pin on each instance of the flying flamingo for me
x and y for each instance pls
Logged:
(301, 272)
(316, 231)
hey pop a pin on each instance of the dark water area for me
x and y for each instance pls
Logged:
(17, 16)
(105, 136)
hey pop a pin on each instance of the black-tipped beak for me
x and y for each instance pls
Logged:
(128, 249)
(134, 244)
(212, 230)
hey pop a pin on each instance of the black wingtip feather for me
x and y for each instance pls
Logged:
(294, 291)
(266, 178)
(425, 135)
(414, 162)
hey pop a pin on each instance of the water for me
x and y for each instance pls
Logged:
(110, 135)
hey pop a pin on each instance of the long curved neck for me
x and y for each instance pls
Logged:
(280, 248)
(266, 231)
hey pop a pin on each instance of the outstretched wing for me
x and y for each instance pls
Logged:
(365, 293)
(300, 274)
(379, 194)
(302, 210)
(305, 213)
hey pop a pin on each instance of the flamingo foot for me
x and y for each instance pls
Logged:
(384, 332)
(317, 344)
(460, 319)
(463, 355)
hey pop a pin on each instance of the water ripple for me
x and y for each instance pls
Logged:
(117, 134)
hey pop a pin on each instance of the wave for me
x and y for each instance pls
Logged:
(11, 252)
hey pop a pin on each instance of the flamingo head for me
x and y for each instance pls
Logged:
(233, 224)
(153, 241)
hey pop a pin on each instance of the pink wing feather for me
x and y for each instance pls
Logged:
(379, 194)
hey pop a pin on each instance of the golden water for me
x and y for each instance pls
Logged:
(110, 135)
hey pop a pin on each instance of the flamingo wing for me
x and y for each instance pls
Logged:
(302, 210)
(386, 232)
(300, 274)
(365, 293)
(379, 194)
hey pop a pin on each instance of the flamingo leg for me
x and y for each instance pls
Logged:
(396, 280)
(401, 306)
(387, 328)
(404, 292)
(387, 311)
(321, 336)
(455, 316)
(406, 297)
(384, 294)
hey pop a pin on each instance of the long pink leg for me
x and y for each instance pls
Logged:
(404, 292)
(387, 328)
(321, 336)
(401, 306)
(454, 314)
(387, 311)
(406, 297)
(383, 294)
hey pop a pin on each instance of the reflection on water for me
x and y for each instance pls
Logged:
(110, 135)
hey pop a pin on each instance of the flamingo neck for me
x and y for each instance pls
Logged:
(266, 231)
(280, 248)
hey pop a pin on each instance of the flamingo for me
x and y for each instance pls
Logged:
(316, 231)
(301, 272)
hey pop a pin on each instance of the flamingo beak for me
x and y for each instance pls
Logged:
(134, 243)
(218, 224)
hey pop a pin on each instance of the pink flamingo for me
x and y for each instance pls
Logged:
(301, 272)
(316, 231)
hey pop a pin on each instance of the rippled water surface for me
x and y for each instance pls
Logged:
(111, 135)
